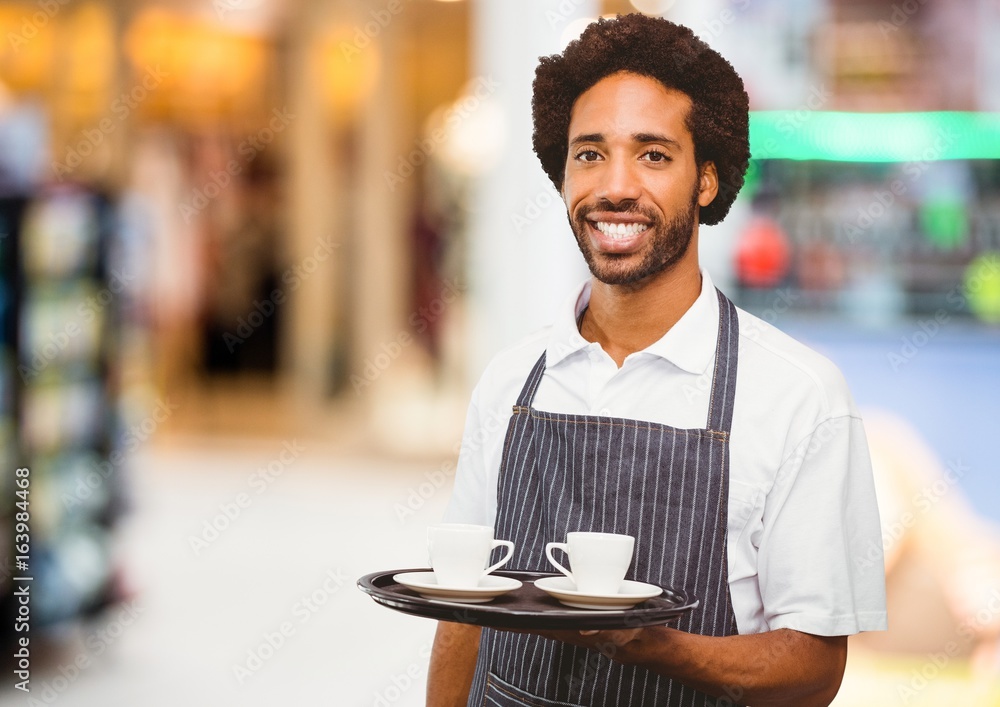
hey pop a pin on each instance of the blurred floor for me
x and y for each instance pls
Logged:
(289, 557)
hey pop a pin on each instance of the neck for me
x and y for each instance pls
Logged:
(624, 319)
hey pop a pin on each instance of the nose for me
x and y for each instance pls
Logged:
(618, 182)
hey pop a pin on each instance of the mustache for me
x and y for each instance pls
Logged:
(627, 206)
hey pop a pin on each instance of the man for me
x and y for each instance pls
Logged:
(654, 407)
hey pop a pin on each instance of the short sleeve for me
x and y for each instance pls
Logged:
(821, 568)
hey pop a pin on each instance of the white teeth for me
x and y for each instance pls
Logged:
(620, 230)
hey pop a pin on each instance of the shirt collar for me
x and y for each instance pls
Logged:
(689, 344)
(565, 339)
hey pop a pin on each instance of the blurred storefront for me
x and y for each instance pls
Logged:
(205, 203)
(312, 184)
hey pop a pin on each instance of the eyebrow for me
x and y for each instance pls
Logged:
(636, 137)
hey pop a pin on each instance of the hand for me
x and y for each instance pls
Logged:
(611, 644)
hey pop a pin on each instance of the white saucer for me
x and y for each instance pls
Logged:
(630, 594)
(425, 584)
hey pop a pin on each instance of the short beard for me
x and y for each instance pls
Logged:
(670, 241)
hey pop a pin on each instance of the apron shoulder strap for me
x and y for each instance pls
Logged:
(720, 411)
(531, 384)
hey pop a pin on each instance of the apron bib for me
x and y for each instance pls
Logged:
(667, 487)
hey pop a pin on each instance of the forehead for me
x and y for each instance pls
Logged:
(629, 104)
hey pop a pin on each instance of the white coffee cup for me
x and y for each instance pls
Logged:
(459, 553)
(599, 560)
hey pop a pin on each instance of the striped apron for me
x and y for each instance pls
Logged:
(667, 487)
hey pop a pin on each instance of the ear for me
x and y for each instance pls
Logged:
(708, 184)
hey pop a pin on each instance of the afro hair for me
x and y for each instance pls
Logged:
(674, 56)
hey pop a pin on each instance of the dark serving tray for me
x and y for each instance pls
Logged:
(524, 608)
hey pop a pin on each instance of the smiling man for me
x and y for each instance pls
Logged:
(654, 407)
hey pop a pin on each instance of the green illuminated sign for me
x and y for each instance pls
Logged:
(874, 137)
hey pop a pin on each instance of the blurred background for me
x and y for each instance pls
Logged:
(254, 255)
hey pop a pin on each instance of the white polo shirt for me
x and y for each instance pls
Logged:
(804, 541)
